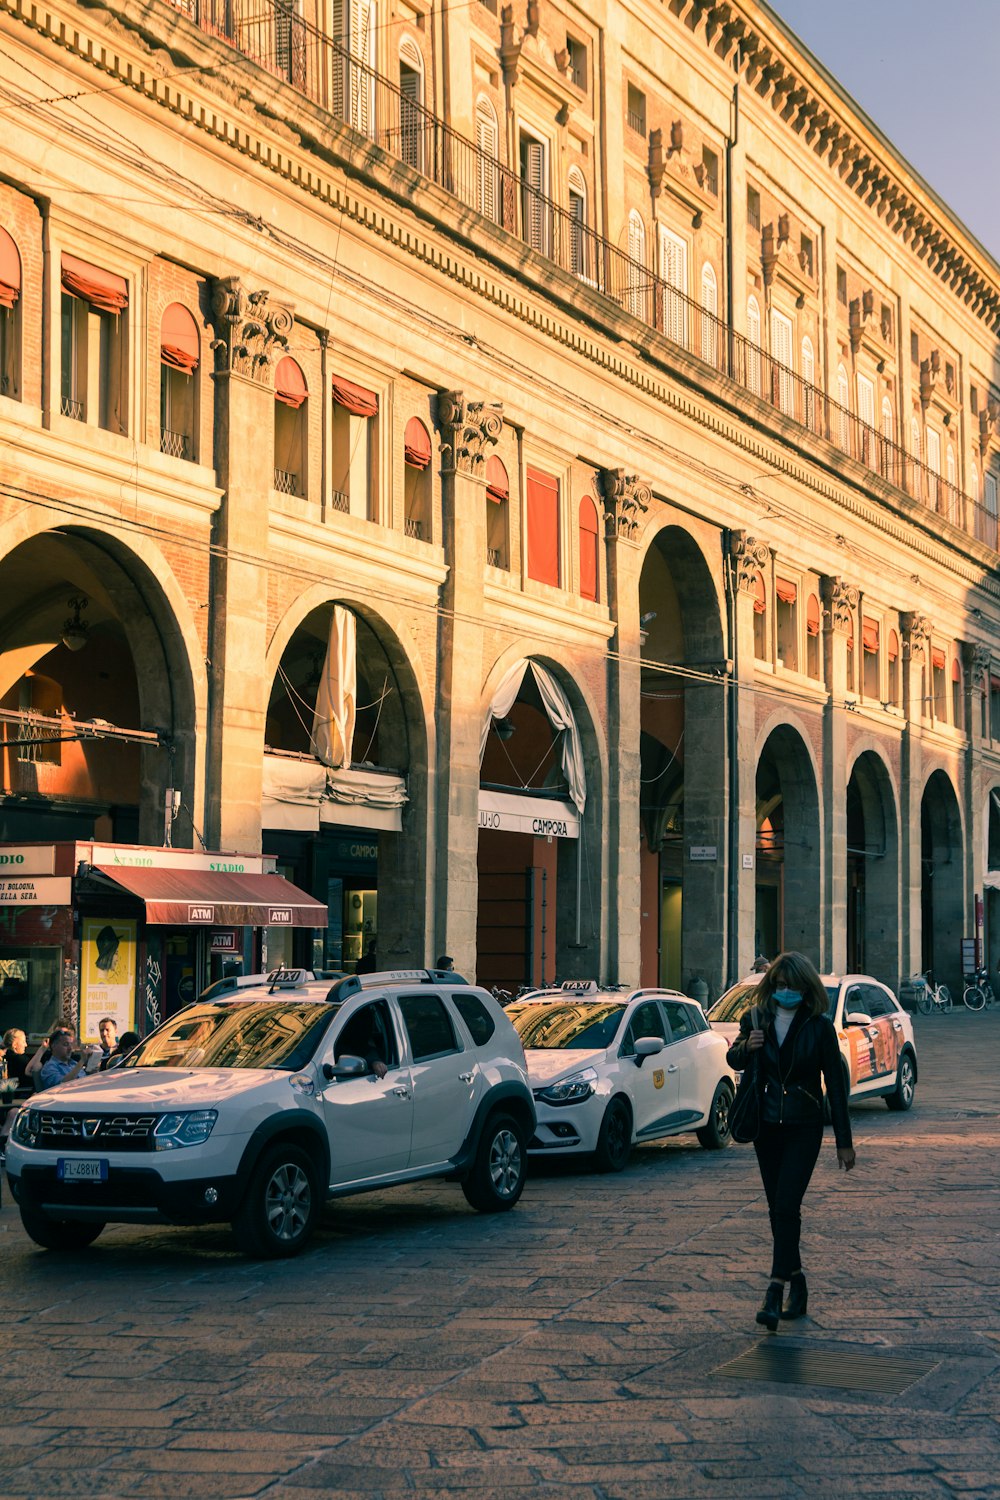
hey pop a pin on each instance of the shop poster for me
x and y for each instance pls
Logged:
(107, 975)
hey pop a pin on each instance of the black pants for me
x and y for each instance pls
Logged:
(786, 1155)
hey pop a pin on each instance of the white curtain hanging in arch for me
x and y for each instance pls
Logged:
(560, 716)
(332, 740)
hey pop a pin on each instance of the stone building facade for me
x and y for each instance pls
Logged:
(587, 402)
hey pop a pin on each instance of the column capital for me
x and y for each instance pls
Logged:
(976, 659)
(750, 556)
(625, 500)
(470, 429)
(841, 599)
(916, 630)
(252, 331)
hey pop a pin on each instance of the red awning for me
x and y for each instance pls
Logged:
(354, 398)
(416, 444)
(497, 483)
(180, 345)
(937, 659)
(102, 289)
(869, 636)
(812, 615)
(893, 652)
(210, 898)
(786, 590)
(289, 383)
(10, 271)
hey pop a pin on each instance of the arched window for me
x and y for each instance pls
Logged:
(487, 169)
(674, 275)
(916, 486)
(814, 665)
(411, 98)
(589, 550)
(843, 414)
(497, 513)
(754, 382)
(637, 286)
(951, 479)
(180, 356)
(579, 256)
(760, 650)
(290, 426)
(809, 382)
(417, 480)
(10, 318)
(709, 315)
(895, 676)
(974, 483)
(957, 696)
(887, 467)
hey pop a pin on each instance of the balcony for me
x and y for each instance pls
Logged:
(285, 482)
(71, 408)
(293, 50)
(174, 444)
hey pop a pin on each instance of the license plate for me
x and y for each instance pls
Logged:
(81, 1169)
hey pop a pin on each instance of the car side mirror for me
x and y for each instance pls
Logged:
(647, 1046)
(857, 1018)
(347, 1067)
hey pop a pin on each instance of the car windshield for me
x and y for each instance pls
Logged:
(832, 991)
(731, 1005)
(575, 1027)
(242, 1034)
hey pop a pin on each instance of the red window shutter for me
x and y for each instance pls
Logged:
(497, 483)
(759, 595)
(180, 345)
(588, 548)
(786, 591)
(812, 615)
(543, 527)
(10, 271)
(893, 647)
(416, 444)
(355, 398)
(869, 636)
(102, 289)
(289, 383)
(956, 670)
(937, 659)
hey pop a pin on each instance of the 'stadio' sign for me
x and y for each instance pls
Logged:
(27, 859)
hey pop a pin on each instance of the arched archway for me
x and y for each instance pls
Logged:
(683, 790)
(346, 756)
(991, 880)
(540, 852)
(788, 847)
(873, 926)
(942, 881)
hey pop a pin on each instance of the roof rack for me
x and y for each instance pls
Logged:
(353, 984)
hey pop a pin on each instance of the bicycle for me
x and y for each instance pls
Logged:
(978, 992)
(931, 997)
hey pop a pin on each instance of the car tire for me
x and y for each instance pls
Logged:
(715, 1134)
(280, 1206)
(58, 1234)
(496, 1180)
(901, 1097)
(614, 1143)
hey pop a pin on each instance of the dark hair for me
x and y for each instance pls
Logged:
(128, 1040)
(444, 962)
(798, 974)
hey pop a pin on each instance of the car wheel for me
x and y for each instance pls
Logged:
(715, 1134)
(614, 1143)
(58, 1234)
(906, 1084)
(497, 1177)
(280, 1205)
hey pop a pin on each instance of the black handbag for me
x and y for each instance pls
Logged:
(744, 1113)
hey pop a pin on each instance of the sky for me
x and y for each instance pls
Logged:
(925, 74)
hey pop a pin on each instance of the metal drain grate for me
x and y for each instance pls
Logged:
(851, 1369)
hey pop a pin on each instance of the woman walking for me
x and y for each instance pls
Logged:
(792, 1045)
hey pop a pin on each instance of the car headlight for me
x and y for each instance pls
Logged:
(190, 1129)
(25, 1126)
(569, 1090)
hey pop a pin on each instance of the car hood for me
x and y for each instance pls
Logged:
(546, 1064)
(154, 1088)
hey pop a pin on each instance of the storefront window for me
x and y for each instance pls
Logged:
(30, 990)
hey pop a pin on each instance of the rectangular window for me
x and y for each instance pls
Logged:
(806, 260)
(710, 171)
(753, 208)
(10, 362)
(73, 392)
(973, 400)
(842, 285)
(577, 52)
(354, 448)
(933, 464)
(534, 191)
(674, 272)
(543, 527)
(787, 614)
(94, 345)
(914, 348)
(177, 413)
(636, 109)
(995, 708)
(871, 672)
(781, 353)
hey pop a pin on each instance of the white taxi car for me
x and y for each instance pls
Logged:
(610, 1068)
(874, 1031)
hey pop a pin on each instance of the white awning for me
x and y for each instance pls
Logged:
(560, 716)
(544, 817)
(991, 880)
(299, 795)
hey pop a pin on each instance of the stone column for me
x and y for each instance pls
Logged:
(469, 430)
(625, 500)
(749, 556)
(916, 633)
(252, 335)
(976, 663)
(841, 608)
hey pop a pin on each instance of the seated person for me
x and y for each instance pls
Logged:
(15, 1062)
(125, 1044)
(61, 1067)
(107, 1030)
(367, 1034)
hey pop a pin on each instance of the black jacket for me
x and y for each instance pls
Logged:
(793, 1093)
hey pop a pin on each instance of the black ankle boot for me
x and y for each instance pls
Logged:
(798, 1297)
(770, 1309)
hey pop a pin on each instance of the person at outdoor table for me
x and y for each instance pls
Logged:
(125, 1044)
(60, 1067)
(107, 1030)
(15, 1061)
(795, 1047)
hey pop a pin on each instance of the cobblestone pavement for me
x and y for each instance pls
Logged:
(570, 1348)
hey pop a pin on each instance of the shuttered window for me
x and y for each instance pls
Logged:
(588, 549)
(543, 527)
(710, 311)
(488, 143)
(533, 187)
(674, 275)
(636, 267)
(781, 352)
(753, 352)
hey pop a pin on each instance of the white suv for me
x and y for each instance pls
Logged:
(257, 1106)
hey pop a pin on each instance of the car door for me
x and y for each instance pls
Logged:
(652, 1088)
(369, 1120)
(886, 1031)
(684, 1060)
(443, 1075)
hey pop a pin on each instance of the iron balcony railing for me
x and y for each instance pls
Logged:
(285, 482)
(290, 48)
(174, 444)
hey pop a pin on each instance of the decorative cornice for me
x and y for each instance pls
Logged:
(750, 557)
(916, 630)
(471, 428)
(625, 499)
(841, 600)
(251, 331)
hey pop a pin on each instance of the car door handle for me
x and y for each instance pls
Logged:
(467, 1077)
(672, 1068)
(401, 1092)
